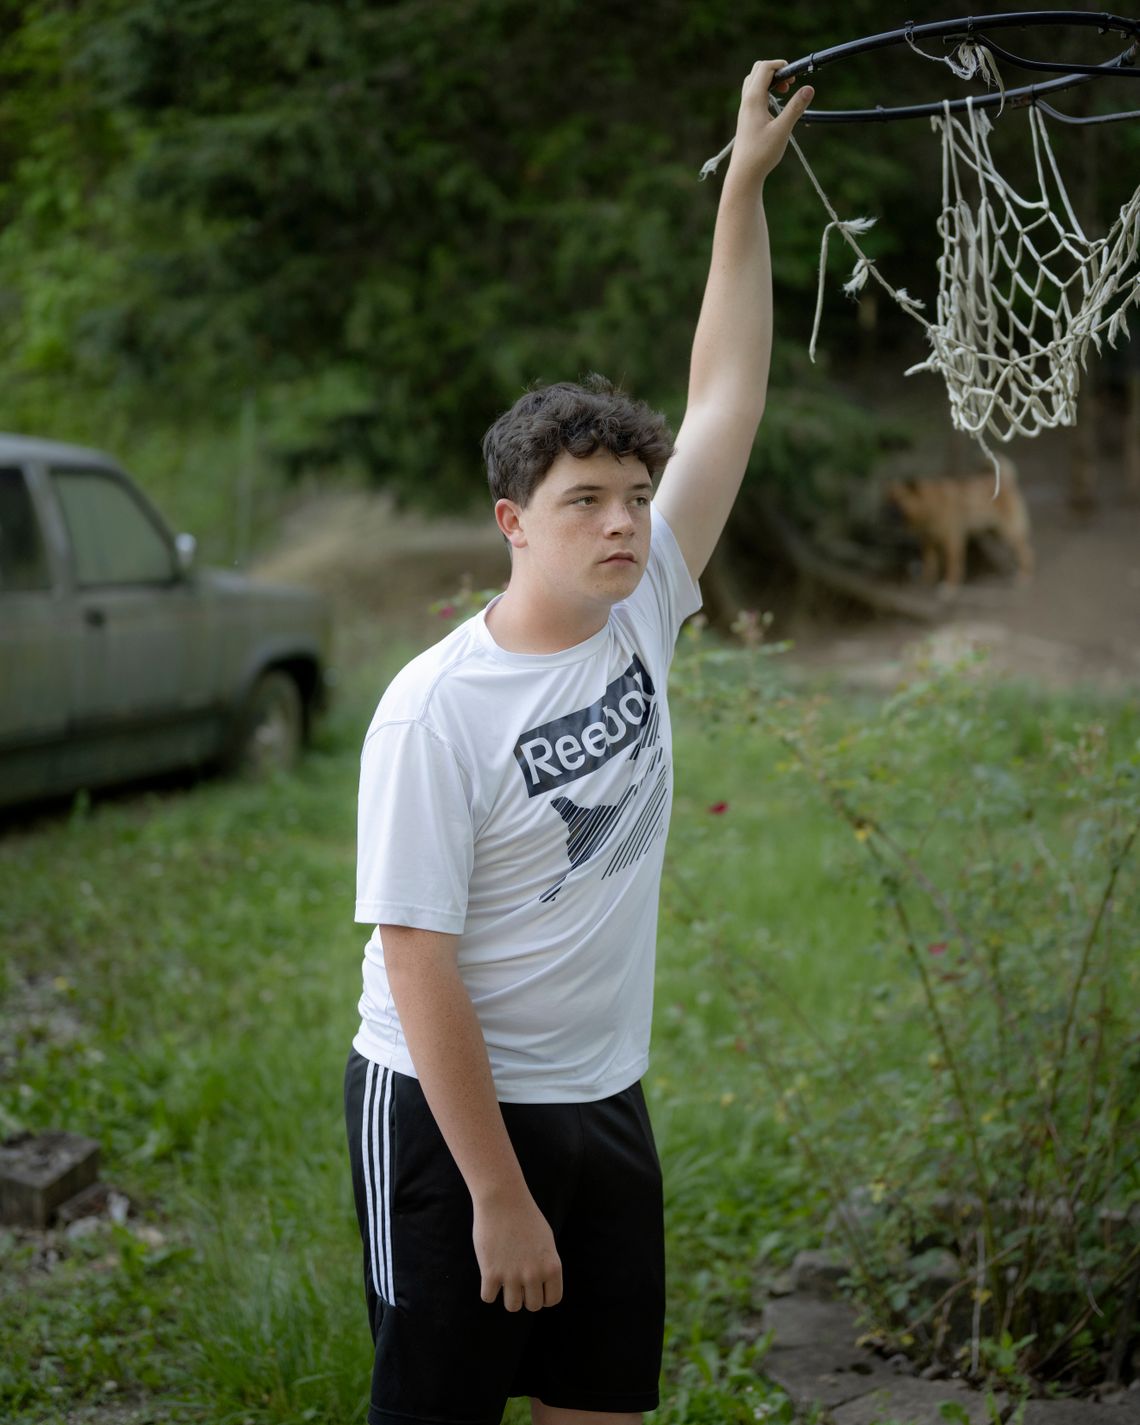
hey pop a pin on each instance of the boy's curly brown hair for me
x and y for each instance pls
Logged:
(525, 441)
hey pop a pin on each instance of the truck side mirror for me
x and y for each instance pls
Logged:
(185, 548)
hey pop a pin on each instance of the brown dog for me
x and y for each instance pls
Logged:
(945, 513)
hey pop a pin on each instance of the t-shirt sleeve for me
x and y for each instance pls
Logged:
(415, 838)
(668, 593)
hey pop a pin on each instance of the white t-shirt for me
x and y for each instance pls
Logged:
(521, 801)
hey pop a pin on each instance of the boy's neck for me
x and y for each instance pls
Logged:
(526, 623)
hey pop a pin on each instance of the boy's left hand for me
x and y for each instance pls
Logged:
(761, 136)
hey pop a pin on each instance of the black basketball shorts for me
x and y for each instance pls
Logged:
(442, 1353)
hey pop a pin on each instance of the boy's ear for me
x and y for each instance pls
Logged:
(508, 516)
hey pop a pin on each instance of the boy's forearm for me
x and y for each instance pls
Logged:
(450, 1057)
(732, 345)
(514, 1244)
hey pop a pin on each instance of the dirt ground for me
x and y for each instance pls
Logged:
(1077, 622)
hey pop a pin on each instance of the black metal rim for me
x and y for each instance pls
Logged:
(969, 28)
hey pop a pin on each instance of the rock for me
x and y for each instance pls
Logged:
(935, 1271)
(806, 1321)
(83, 1227)
(40, 1171)
(855, 1213)
(822, 1374)
(813, 1356)
(1083, 1412)
(91, 1202)
(919, 1402)
(815, 1359)
(819, 1272)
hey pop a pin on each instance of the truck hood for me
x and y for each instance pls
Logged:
(272, 608)
(227, 583)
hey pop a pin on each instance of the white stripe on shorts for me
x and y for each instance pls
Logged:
(386, 1207)
(376, 1159)
(366, 1165)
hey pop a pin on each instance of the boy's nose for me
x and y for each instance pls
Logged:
(620, 520)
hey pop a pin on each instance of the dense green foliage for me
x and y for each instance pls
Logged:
(376, 223)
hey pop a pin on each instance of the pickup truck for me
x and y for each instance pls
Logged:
(119, 658)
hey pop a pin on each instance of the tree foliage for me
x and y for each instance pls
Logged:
(382, 221)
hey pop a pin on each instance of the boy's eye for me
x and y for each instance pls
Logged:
(584, 500)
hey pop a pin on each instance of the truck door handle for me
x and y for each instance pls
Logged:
(96, 618)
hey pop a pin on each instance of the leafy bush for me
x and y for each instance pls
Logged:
(973, 1118)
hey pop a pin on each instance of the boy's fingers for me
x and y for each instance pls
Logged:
(796, 105)
(763, 70)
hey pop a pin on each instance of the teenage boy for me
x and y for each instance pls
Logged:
(514, 799)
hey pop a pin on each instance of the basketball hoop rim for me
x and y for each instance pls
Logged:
(967, 28)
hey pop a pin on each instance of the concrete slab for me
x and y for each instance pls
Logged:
(40, 1171)
(819, 1271)
(814, 1357)
(812, 1321)
(1123, 1410)
(810, 1378)
(907, 1400)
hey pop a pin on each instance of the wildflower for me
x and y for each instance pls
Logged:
(938, 948)
(718, 808)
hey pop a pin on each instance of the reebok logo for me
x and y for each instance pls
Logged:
(577, 744)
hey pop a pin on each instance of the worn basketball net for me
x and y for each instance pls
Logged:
(1021, 292)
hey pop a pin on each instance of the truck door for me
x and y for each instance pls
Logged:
(37, 635)
(137, 686)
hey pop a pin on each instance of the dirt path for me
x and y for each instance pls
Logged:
(1077, 622)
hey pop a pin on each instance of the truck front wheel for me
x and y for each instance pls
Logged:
(271, 727)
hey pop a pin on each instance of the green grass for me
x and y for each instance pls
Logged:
(180, 978)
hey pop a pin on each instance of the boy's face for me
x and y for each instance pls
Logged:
(584, 534)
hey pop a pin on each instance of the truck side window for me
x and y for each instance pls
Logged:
(23, 562)
(113, 539)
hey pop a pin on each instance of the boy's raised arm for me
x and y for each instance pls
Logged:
(728, 374)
